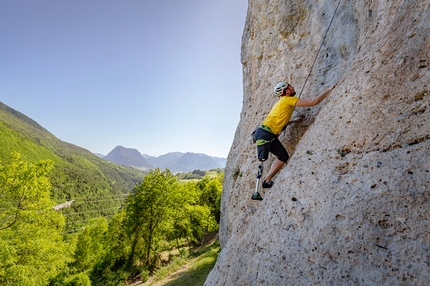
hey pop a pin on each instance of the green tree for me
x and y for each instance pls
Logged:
(90, 247)
(80, 279)
(112, 268)
(196, 210)
(32, 250)
(201, 222)
(180, 224)
(146, 211)
(211, 190)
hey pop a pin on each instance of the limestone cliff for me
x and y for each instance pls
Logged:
(352, 207)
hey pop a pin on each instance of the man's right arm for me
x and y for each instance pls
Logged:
(302, 102)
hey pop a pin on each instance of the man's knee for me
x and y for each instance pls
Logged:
(284, 157)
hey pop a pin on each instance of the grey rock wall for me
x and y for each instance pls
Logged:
(352, 207)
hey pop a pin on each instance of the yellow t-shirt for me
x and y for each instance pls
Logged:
(280, 114)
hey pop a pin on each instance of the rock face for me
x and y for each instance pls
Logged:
(352, 207)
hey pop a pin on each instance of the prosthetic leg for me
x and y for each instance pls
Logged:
(256, 195)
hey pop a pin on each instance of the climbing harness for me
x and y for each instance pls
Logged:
(265, 127)
(261, 142)
(322, 42)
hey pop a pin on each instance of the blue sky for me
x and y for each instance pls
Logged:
(155, 75)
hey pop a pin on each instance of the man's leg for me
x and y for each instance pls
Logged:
(282, 157)
(274, 169)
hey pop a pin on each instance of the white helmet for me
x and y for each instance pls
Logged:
(279, 87)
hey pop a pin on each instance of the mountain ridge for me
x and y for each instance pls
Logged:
(174, 161)
(128, 157)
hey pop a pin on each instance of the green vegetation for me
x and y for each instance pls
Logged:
(196, 175)
(32, 249)
(117, 221)
(158, 216)
(191, 269)
(76, 175)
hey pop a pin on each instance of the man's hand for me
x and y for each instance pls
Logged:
(300, 119)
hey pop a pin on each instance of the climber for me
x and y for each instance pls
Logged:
(266, 135)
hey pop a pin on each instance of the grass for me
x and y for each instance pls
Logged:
(192, 270)
(188, 181)
(212, 174)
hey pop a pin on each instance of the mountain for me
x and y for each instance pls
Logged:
(164, 161)
(77, 173)
(128, 157)
(352, 205)
(174, 161)
(99, 155)
(188, 162)
(219, 161)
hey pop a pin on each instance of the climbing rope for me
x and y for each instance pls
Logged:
(300, 94)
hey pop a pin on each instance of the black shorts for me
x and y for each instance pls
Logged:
(273, 146)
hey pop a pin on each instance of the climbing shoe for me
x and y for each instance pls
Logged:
(267, 185)
(256, 196)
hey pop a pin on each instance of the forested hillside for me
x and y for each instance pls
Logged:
(77, 171)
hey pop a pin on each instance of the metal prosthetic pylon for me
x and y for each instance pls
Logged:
(256, 195)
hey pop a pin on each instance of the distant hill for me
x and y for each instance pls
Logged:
(77, 172)
(128, 157)
(186, 162)
(174, 161)
(99, 155)
(193, 161)
(163, 161)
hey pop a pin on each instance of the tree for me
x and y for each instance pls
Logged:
(180, 224)
(211, 190)
(90, 247)
(32, 250)
(147, 209)
(112, 268)
(196, 210)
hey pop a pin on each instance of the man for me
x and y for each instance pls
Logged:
(266, 135)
